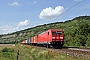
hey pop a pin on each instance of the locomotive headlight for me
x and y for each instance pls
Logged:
(53, 37)
(61, 37)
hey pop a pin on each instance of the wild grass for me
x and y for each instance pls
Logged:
(41, 54)
(27, 52)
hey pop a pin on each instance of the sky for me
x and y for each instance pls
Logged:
(16, 15)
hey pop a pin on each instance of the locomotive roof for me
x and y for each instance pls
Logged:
(56, 29)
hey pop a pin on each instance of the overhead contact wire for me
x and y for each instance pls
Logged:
(69, 9)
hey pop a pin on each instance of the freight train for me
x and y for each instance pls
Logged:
(51, 37)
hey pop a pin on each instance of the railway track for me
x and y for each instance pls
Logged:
(71, 51)
(75, 52)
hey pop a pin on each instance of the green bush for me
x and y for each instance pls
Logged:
(8, 54)
(7, 50)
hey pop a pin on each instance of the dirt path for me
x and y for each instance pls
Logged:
(6, 45)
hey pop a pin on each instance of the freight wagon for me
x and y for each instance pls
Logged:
(26, 41)
(51, 37)
(34, 40)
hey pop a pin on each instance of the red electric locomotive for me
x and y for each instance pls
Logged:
(53, 37)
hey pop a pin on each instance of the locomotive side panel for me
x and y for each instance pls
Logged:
(44, 37)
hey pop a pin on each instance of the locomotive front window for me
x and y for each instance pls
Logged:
(56, 32)
(59, 32)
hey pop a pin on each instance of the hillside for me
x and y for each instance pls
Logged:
(77, 32)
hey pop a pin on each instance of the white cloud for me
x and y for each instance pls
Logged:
(50, 13)
(24, 23)
(35, 2)
(14, 3)
(77, 0)
(9, 29)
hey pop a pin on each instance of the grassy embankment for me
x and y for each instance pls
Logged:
(33, 53)
(27, 52)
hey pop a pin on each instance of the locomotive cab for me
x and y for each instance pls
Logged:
(57, 38)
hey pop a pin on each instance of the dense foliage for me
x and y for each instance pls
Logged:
(7, 54)
(7, 50)
(77, 32)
